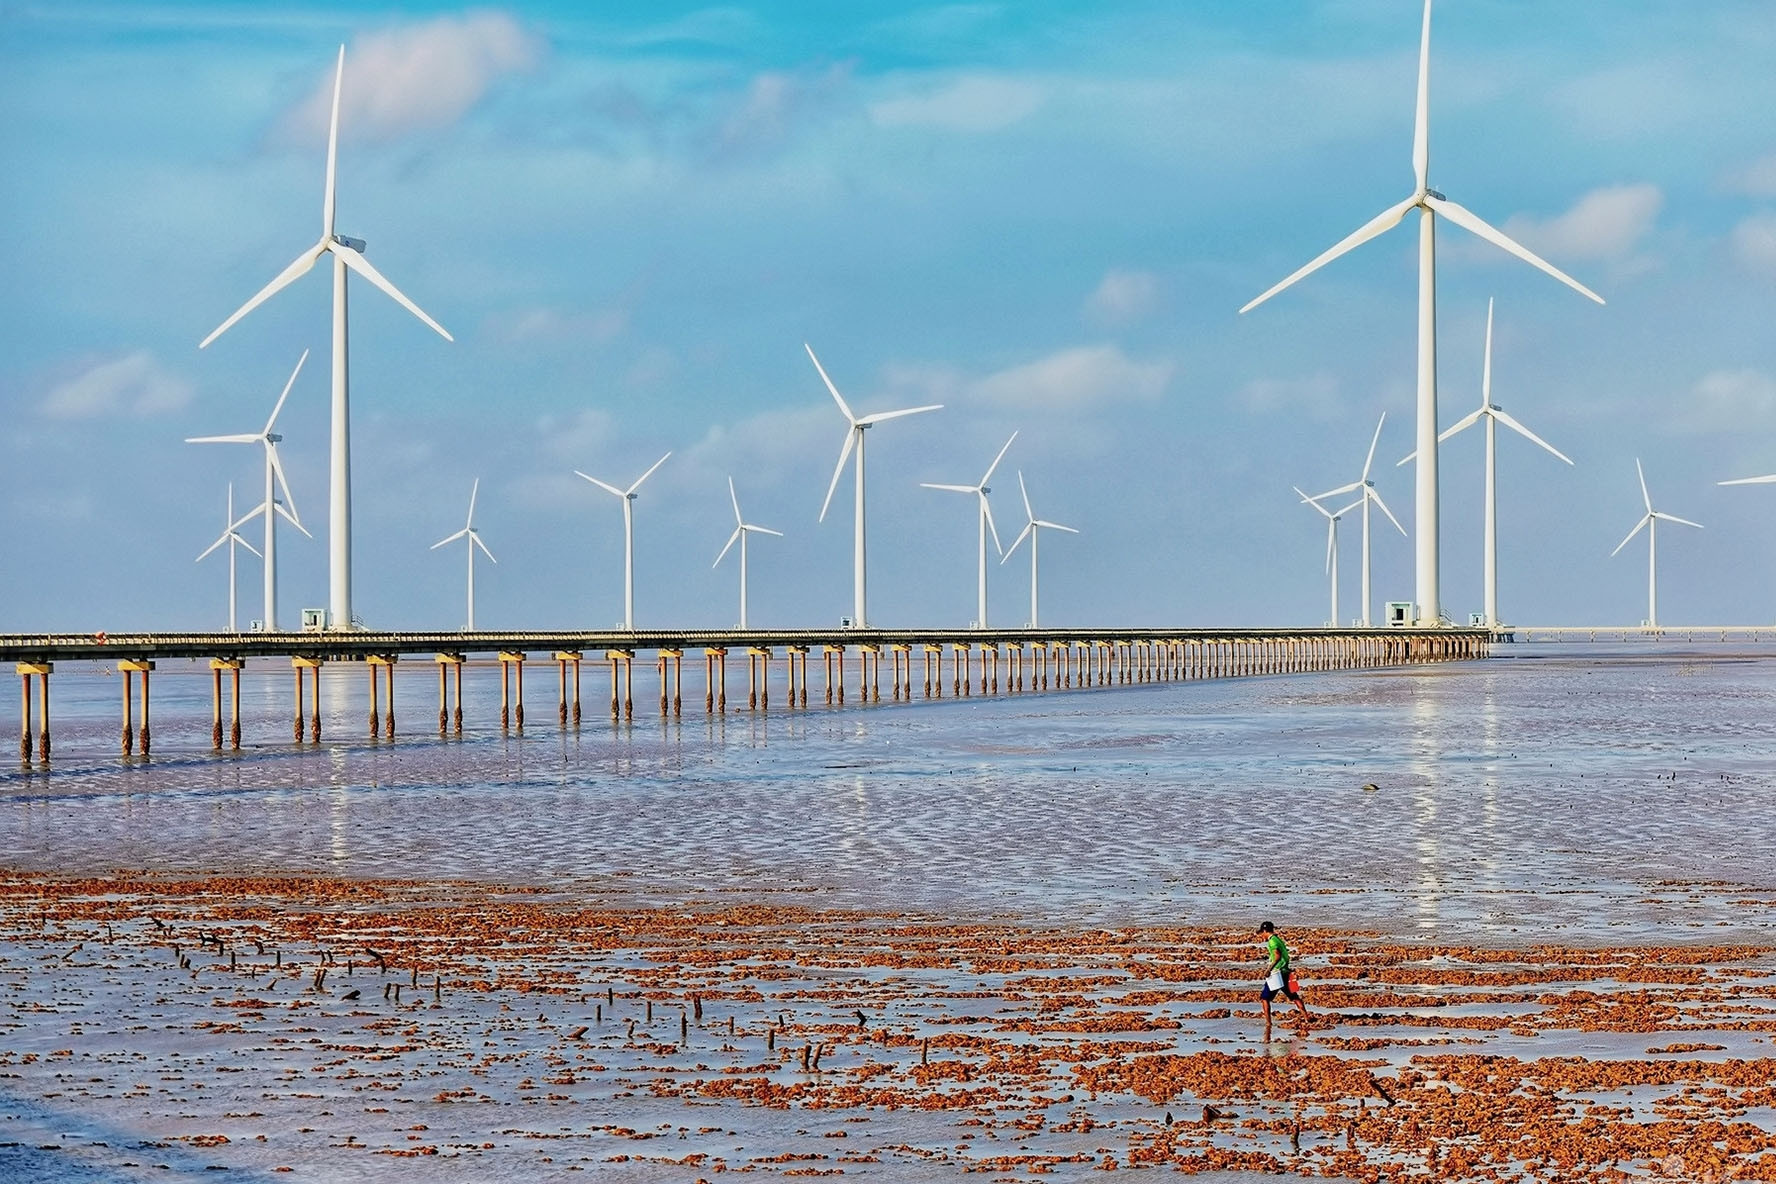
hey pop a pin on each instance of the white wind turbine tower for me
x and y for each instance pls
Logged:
(1332, 517)
(1367, 489)
(1493, 415)
(1430, 205)
(628, 497)
(271, 507)
(474, 536)
(854, 439)
(1651, 520)
(985, 524)
(742, 528)
(348, 255)
(233, 540)
(1033, 526)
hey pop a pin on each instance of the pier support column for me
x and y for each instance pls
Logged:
(40, 671)
(129, 668)
(233, 666)
(216, 705)
(561, 661)
(387, 663)
(375, 719)
(300, 687)
(129, 731)
(869, 685)
(445, 664)
(300, 665)
(835, 656)
(622, 664)
(511, 689)
(676, 658)
(798, 681)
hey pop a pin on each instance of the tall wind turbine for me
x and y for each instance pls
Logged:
(1033, 526)
(1332, 517)
(1493, 415)
(348, 255)
(1430, 205)
(271, 507)
(1367, 489)
(1651, 520)
(628, 496)
(985, 524)
(233, 540)
(742, 528)
(474, 536)
(854, 439)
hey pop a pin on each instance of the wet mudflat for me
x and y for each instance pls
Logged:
(1539, 949)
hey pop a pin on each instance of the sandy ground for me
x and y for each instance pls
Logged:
(353, 1029)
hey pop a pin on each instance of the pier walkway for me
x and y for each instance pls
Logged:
(984, 662)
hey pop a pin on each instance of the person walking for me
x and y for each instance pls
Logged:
(1279, 979)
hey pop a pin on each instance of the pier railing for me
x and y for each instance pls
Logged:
(987, 662)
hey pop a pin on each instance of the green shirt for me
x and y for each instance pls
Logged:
(1277, 952)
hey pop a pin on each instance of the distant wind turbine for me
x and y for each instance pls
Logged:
(474, 536)
(628, 497)
(1332, 517)
(1493, 415)
(271, 507)
(1430, 205)
(1033, 526)
(980, 490)
(233, 540)
(742, 528)
(1367, 489)
(348, 255)
(1651, 520)
(854, 440)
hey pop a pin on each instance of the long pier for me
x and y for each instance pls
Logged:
(987, 662)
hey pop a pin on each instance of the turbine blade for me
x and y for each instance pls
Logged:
(1674, 518)
(600, 484)
(1376, 497)
(1486, 366)
(298, 268)
(1421, 123)
(1382, 222)
(1331, 539)
(249, 546)
(1047, 525)
(879, 416)
(1461, 425)
(291, 519)
(277, 470)
(735, 498)
(1018, 542)
(226, 535)
(240, 439)
(646, 475)
(1320, 497)
(1631, 535)
(1375, 439)
(280, 403)
(1769, 480)
(474, 492)
(1644, 495)
(476, 539)
(1310, 501)
(1341, 512)
(844, 455)
(989, 473)
(447, 541)
(1472, 223)
(837, 398)
(761, 530)
(987, 510)
(332, 149)
(1029, 514)
(950, 488)
(247, 517)
(365, 268)
(732, 539)
(1506, 419)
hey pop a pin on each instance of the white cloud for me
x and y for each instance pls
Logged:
(1075, 379)
(579, 437)
(1729, 400)
(973, 104)
(135, 384)
(1123, 296)
(773, 105)
(1606, 224)
(1754, 242)
(1757, 179)
(417, 76)
(544, 324)
(1317, 396)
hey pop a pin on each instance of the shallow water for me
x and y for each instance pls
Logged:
(1553, 794)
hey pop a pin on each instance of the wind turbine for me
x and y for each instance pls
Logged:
(1032, 527)
(1493, 415)
(742, 528)
(1430, 205)
(854, 439)
(1332, 518)
(628, 496)
(271, 507)
(474, 536)
(985, 524)
(348, 255)
(233, 540)
(1368, 494)
(1651, 520)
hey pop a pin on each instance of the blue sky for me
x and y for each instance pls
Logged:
(1042, 215)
